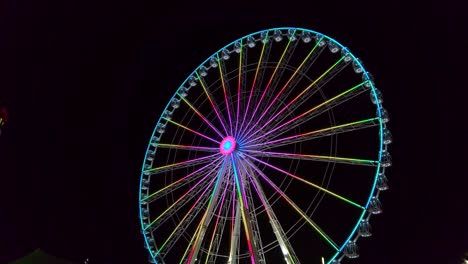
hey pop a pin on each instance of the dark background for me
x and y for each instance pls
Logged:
(85, 81)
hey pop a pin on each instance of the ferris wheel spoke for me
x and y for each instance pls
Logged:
(286, 248)
(207, 217)
(201, 116)
(191, 130)
(308, 60)
(269, 82)
(305, 181)
(266, 46)
(295, 207)
(179, 203)
(222, 217)
(182, 164)
(239, 86)
(300, 98)
(235, 227)
(225, 91)
(302, 74)
(214, 241)
(320, 158)
(183, 224)
(256, 236)
(324, 132)
(213, 105)
(313, 112)
(244, 210)
(308, 92)
(187, 147)
(187, 249)
(181, 182)
(277, 77)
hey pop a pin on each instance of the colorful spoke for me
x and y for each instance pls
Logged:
(223, 196)
(215, 109)
(228, 106)
(191, 240)
(190, 191)
(235, 228)
(352, 126)
(285, 86)
(286, 248)
(181, 165)
(305, 181)
(201, 116)
(187, 215)
(244, 211)
(343, 94)
(269, 83)
(296, 207)
(239, 84)
(180, 182)
(254, 82)
(284, 155)
(299, 95)
(206, 217)
(191, 130)
(187, 147)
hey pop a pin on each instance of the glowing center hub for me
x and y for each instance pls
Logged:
(228, 145)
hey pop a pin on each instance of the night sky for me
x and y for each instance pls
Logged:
(84, 83)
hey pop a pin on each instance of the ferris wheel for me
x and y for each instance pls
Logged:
(273, 150)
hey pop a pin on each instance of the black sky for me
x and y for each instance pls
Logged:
(85, 81)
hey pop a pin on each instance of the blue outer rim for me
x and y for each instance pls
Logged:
(353, 232)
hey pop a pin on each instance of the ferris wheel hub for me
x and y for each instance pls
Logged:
(228, 145)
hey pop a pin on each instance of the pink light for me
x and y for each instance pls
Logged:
(228, 145)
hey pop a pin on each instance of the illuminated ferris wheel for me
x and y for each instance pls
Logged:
(273, 150)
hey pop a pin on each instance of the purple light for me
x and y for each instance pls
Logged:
(228, 145)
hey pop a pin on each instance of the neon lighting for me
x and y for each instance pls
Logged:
(269, 82)
(225, 93)
(188, 147)
(211, 101)
(281, 242)
(200, 115)
(216, 223)
(191, 130)
(228, 145)
(307, 182)
(299, 95)
(283, 154)
(298, 210)
(183, 219)
(178, 200)
(286, 85)
(181, 163)
(209, 207)
(233, 198)
(241, 197)
(239, 87)
(307, 112)
(188, 246)
(370, 120)
(254, 81)
(372, 189)
(182, 179)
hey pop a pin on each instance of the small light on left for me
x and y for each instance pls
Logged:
(3, 118)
